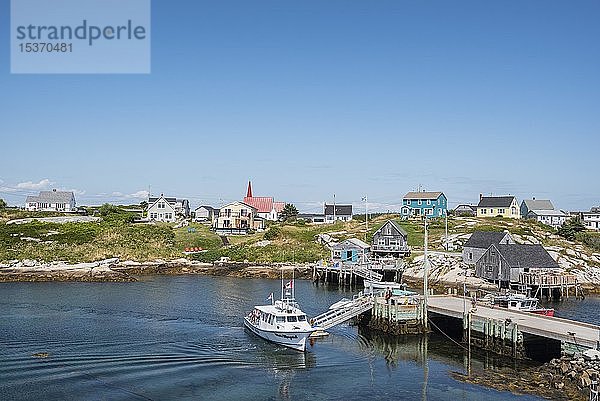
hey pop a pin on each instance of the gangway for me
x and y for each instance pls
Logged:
(367, 273)
(360, 304)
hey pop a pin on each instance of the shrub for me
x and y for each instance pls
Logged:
(272, 233)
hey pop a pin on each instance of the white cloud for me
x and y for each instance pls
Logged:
(135, 195)
(35, 186)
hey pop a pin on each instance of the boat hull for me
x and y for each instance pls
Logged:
(291, 339)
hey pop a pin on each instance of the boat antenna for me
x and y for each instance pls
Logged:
(282, 283)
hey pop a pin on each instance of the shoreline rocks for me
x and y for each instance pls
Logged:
(113, 270)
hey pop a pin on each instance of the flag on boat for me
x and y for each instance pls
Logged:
(289, 285)
(270, 297)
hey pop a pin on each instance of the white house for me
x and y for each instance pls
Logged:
(51, 201)
(167, 209)
(554, 218)
(205, 213)
(335, 213)
(591, 219)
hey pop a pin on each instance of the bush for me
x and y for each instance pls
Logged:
(272, 233)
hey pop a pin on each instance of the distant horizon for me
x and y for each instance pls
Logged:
(310, 99)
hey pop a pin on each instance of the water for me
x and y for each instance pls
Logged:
(182, 338)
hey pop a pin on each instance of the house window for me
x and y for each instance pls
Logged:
(483, 211)
(428, 201)
(419, 202)
(161, 205)
(226, 223)
(243, 212)
(500, 211)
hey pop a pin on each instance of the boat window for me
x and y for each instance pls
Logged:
(292, 319)
(280, 319)
(302, 318)
(513, 304)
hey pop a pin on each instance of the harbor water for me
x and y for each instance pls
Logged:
(182, 338)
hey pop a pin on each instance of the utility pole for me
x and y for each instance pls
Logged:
(334, 208)
(425, 279)
(365, 199)
(447, 246)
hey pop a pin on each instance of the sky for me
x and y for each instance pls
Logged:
(314, 98)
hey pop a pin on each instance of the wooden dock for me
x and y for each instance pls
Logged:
(511, 326)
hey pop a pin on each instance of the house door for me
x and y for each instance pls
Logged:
(387, 242)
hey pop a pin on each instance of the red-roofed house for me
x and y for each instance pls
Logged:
(266, 206)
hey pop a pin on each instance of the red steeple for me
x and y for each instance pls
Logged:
(249, 192)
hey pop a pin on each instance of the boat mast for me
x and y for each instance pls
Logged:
(425, 278)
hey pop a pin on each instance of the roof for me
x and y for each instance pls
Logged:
(423, 195)
(496, 201)
(236, 202)
(278, 206)
(155, 198)
(396, 226)
(535, 204)
(483, 239)
(206, 207)
(263, 204)
(521, 255)
(548, 213)
(352, 242)
(53, 196)
(340, 210)
(465, 205)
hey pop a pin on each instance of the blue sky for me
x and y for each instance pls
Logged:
(311, 98)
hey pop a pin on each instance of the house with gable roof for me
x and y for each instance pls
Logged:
(428, 204)
(267, 208)
(543, 211)
(493, 206)
(480, 241)
(390, 240)
(504, 263)
(51, 201)
(167, 209)
(237, 218)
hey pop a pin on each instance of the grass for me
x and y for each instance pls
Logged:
(115, 236)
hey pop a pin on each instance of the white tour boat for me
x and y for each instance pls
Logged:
(281, 322)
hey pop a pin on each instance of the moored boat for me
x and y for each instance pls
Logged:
(522, 303)
(282, 322)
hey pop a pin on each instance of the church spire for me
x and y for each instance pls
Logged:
(249, 192)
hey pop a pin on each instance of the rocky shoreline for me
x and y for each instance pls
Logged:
(565, 378)
(113, 270)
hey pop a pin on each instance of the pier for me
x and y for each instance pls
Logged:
(351, 274)
(517, 334)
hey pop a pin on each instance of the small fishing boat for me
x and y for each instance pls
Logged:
(522, 303)
(383, 285)
(282, 322)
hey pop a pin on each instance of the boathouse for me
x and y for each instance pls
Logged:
(390, 240)
(503, 264)
(350, 251)
(480, 241)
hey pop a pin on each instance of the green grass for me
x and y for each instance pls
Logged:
(115, 236)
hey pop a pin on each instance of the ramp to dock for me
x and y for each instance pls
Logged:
(367, 273)
(568, 331)
(336, 316)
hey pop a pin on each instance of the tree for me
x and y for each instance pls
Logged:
(289, 213)
(570, 228)
(2, 204)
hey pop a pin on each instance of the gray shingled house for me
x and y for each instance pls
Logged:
(335, 213)
(51, 201)
(480, 241)
(390, 240)
(503, 263)
(535, 204)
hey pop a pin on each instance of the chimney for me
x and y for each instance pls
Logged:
(54, 190)
(534, 198)
(480, 197)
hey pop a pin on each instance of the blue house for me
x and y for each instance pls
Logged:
(350, 251)
(430, 204)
